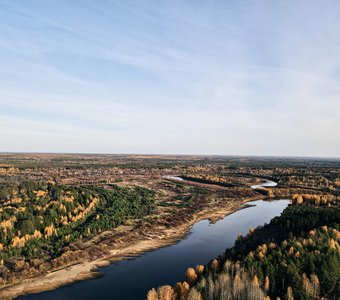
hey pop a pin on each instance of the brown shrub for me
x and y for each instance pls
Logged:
(266, 283)
(255, 281)
(289, 295)
(214, 265)
(186, 290)
(191, 276)
(199, 269)
(166, 292)
(152, 295)
(182, 290)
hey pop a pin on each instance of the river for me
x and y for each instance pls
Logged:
(131, 279)
(268, 183)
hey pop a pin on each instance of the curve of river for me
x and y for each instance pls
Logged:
(131, 279)
(268, 183)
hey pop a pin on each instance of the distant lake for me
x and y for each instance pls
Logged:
(131, 279)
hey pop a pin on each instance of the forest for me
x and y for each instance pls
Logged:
(295, 256)
(38, 219)
(62, 212)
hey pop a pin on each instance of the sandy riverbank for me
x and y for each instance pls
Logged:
(89, 269)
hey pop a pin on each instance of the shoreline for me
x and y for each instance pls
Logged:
(90, 269)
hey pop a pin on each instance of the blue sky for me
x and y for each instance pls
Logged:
(155, 76)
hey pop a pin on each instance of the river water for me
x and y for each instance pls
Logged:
(131, 279)
(268, 183)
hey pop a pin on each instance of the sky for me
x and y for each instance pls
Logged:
(219, 77)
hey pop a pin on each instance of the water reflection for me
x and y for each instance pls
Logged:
(133, 278)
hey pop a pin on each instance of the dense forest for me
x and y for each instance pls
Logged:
(296, 256)
(38, 219)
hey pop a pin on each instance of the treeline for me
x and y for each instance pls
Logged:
(315, 199)
(208, 283)
(212, 180)
(296, 256)
(38, 219)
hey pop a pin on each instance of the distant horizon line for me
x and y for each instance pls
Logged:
(172, 154)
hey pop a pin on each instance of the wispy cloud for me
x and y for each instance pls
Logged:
(214, 77)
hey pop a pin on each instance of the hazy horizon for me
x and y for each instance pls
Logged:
(174, 154)
(250, 78)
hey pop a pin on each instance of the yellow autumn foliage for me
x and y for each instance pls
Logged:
(49, 230)
(40, 193)
(8, 224)
(333, 244)
(291, 250)
(266, 283)
(255, 281)
(191, 276)
(199, 269)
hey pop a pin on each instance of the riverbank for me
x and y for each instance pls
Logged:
(89, 269)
